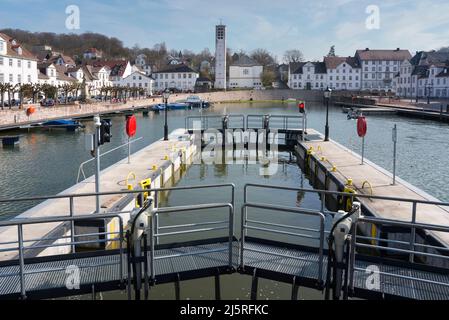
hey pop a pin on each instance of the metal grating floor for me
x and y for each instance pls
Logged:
(52, 275)
(404, 288)
(105, 269)
(194, 258)
(306, 268)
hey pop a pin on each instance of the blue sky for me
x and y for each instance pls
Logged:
(277, 25)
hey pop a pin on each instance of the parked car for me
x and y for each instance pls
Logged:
(48, 103)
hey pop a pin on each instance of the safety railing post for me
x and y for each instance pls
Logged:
(21, 262)
(72, 225)
(152, 245)
(413, 233)
(231, 236)
(121, 251)
(321, 249)
(352, 255)
(242, 235)
(156, 217)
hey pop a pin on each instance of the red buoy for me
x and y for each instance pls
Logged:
(362, 127)
(30, 111)
(131, 126)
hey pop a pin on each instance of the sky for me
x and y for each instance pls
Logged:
(276, 25)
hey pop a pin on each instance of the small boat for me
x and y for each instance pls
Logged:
(171, 106)
(69, 125)
(196, 102)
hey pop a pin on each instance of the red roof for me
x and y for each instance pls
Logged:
(12, 49)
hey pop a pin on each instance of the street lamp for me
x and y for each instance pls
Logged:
(429, 89)
(327, 96)
(166, 96)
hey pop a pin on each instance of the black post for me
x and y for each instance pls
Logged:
(327, 120)
(166, 121)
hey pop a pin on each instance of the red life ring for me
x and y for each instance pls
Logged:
(30, 111)
(131, 126)
(362, 127)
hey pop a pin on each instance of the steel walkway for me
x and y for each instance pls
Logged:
(258, 252)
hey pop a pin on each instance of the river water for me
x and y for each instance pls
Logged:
(47, 162)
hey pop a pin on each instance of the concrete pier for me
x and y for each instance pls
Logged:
(333, 165)
(159, 162)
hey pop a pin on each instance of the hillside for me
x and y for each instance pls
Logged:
(71, 44)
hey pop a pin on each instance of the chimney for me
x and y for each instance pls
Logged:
(367, 49)
(398, 49)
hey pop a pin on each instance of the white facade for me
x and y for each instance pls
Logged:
(138, 80)
(178, 77)
(142, 64)
(344, 76)
(309, 75)
(220, 57)
(49, 74)
(379, 67)
(17, 66)
(405, 83)
(245, 77)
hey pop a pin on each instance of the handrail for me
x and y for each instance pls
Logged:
(411, 251)
(20, 223)
(111, 193)
(320, 231)
(154, 235)
(81, 168)
(325, 192)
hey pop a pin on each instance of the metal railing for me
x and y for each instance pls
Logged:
(276, 122)
(394, 246)
(81, 167)
(218, 122)
(35, 221)
(324, 195)
(279, 229)
(193, 228)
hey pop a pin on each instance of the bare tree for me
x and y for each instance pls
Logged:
(294, 55)
(263, 57)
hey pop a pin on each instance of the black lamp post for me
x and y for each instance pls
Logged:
(166, 96)
(429, 88)
(327, 96)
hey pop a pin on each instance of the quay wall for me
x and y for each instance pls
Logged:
(322, 178)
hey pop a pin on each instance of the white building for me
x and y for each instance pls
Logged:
(17, 65)
(245, 72)
(220, 57)
(142, 63)
(343, 73)
(424, 75)
(308, 75)
(119, 69)
(53, 75)
(380, 66)
(95, 77)
(93, 53)
(138, 80)
(180, 77)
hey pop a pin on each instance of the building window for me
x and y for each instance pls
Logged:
(1, 61)
(19, 63)
(10, 62)
(11, 80)
(2, 78)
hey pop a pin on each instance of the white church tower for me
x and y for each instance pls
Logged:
(220, 57)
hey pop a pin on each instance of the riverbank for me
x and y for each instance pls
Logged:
(10, 119)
